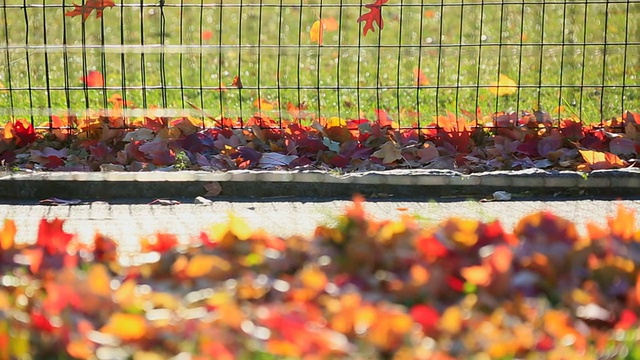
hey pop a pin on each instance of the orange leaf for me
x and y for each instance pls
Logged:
(237, 82)
(623, 225)
(88, 7)
(80, 349)
(501, 259)
(283, 348)
(263, 104)
(216, 350)
(330, 24)
(206, 35)
(477, 275)
(99, 280)
(200, 265)
(419, 78)
(373, 16)
(599, 160)
(7, 234)
(125, 326)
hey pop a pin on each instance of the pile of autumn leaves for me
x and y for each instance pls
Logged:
(388, 289)
(468, 142)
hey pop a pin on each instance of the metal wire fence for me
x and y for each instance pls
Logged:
(304, 59)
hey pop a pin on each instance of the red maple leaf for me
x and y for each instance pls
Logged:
(373, 16)
(24, 135)
(88, 7)
(52, 237)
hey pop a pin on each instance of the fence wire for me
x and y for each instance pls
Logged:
(305, 59)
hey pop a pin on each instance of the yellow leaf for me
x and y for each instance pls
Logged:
(451, 320)
(504, 86)
(7, 234)
(147, 355)
(99, 280)
(336, 121)
(313, 278)
(125, 326)
(218, 231)
(239, 227)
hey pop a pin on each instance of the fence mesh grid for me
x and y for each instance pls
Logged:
(311, 58)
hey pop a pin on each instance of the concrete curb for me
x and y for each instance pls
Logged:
(416, 183)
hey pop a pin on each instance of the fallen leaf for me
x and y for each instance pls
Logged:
(164, 202)
(598, 160)
(213, 188)
(57, 201)
(7, 234)
(52, 237)
(200, 265)
(99, 280)
(389, 152)
(125, 326)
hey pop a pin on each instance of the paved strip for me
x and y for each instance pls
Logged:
(128, 223)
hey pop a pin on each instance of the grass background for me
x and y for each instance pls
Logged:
(582, 55)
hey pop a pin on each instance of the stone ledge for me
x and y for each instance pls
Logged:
(312, 183)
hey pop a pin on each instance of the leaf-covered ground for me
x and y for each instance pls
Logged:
(472, 142)
(360, 289)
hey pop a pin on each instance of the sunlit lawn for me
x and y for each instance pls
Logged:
(269, 47)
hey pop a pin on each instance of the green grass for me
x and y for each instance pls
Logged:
(274, 40)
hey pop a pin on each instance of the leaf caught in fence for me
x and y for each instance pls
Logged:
(373, 16)
(88, 7)
(316, 32)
